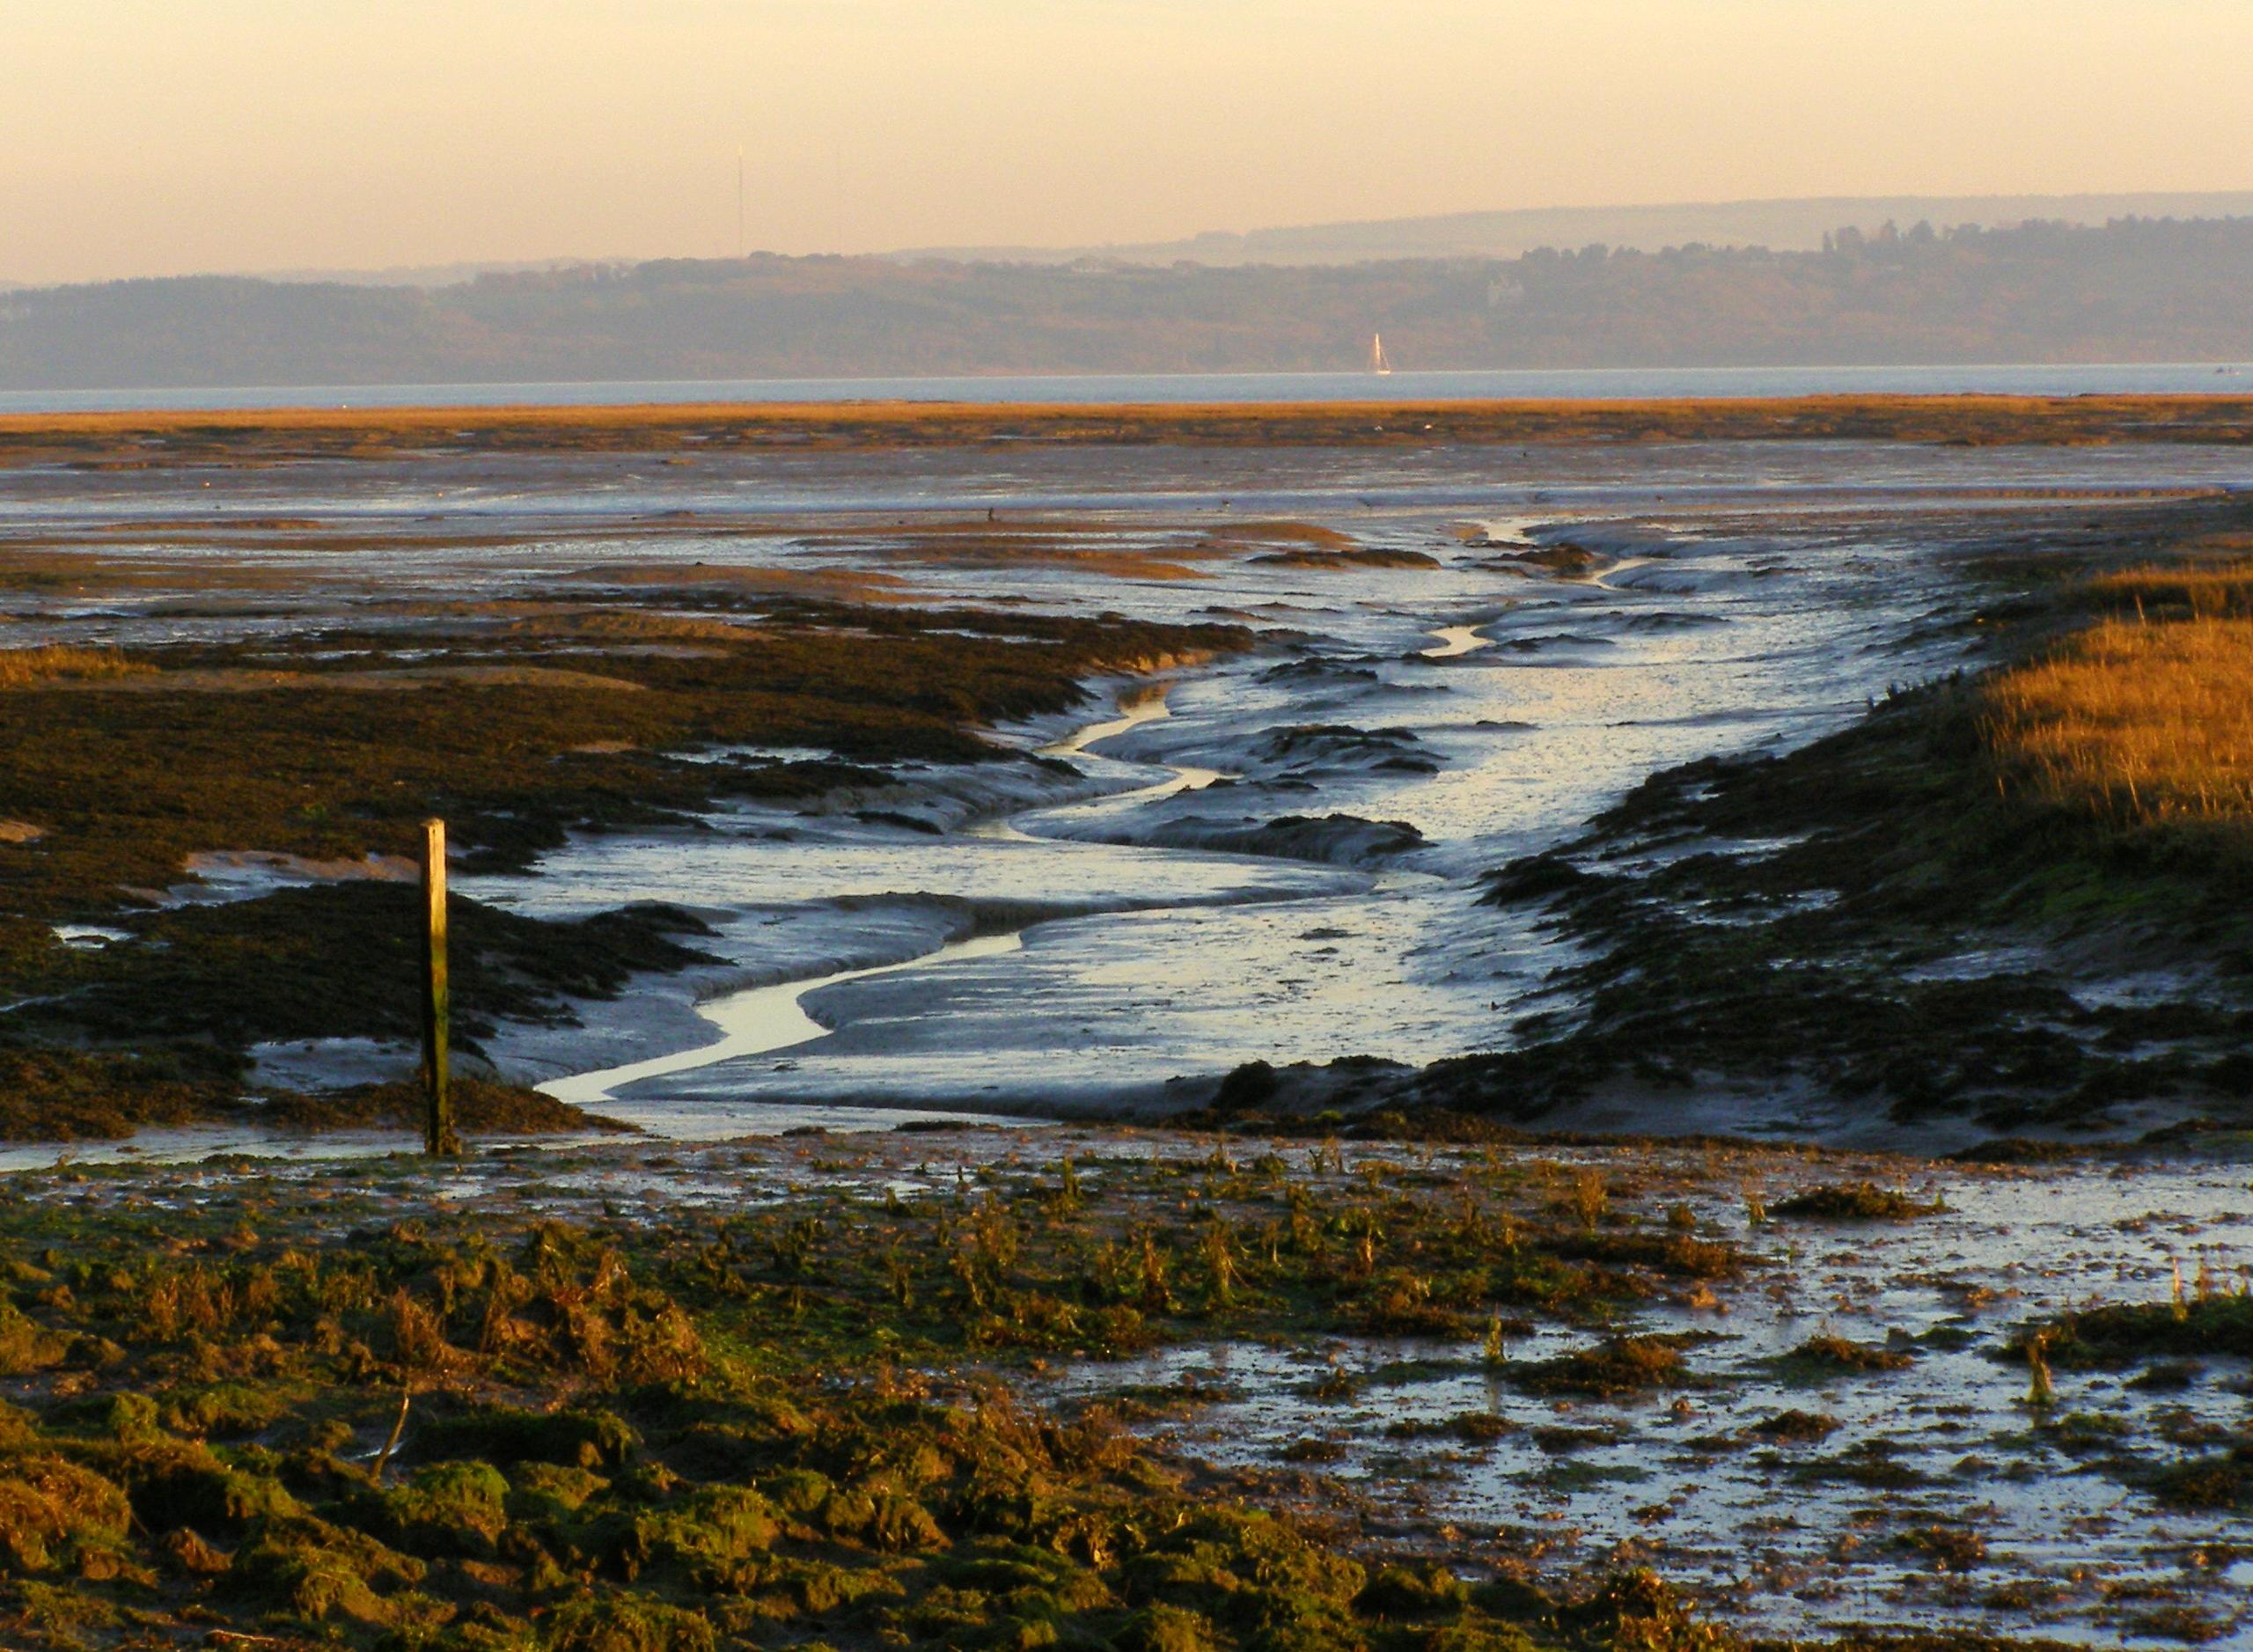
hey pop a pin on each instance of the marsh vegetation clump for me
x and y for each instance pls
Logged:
(2141, 724)
(1794, 1425)
(2041, 1392)
(1949, 1548)
(2211, 1321)
(1494, 1349)
(1585, 1197)
(1472, 1428)
(1669, 1252)
(480, 1107)
(2221, 1483)
(69, 1095)
(1824, 1356)
(1857, 1201)
(1616, 1368)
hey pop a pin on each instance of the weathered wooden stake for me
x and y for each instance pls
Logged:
(438, 1122)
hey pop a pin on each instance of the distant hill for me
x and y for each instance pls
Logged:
(1794, 225)
(424, 274)
(2134, 290)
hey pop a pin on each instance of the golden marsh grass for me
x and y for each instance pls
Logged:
(143, 439)
(2142, 722)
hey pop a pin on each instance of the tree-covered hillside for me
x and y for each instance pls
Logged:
(2136, 289)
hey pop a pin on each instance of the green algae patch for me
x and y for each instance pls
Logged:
(27, 1346)
(219, 1410)
(1414, 1593)
(448, 1509)
(55, 1514)
(614, 1622)
(1159, 1627)
(311, 1572)
(179, 1483)
(294, 1411)
(1253, 1574)
(70, 1094)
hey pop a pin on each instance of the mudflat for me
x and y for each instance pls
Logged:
(1493, 917)
(1423, 719)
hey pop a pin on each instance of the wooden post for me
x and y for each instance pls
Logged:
(438, 1123)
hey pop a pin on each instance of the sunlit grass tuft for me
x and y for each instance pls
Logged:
(25, 667)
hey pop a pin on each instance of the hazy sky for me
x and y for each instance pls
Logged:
(148, 136)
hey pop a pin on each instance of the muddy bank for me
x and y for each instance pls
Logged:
(125, 786)
(1901, 931)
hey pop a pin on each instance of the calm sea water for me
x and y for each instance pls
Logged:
(1610, 384)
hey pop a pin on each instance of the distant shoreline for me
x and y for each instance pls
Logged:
(163, 437)
(1411, 385)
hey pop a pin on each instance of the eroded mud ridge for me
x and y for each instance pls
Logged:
(1060, 1386)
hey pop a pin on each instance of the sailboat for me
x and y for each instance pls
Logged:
(1377, 363)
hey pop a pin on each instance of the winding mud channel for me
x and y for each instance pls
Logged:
(760, 1020)
(1283, 866)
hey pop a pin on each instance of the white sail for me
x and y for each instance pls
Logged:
(1377, 363)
